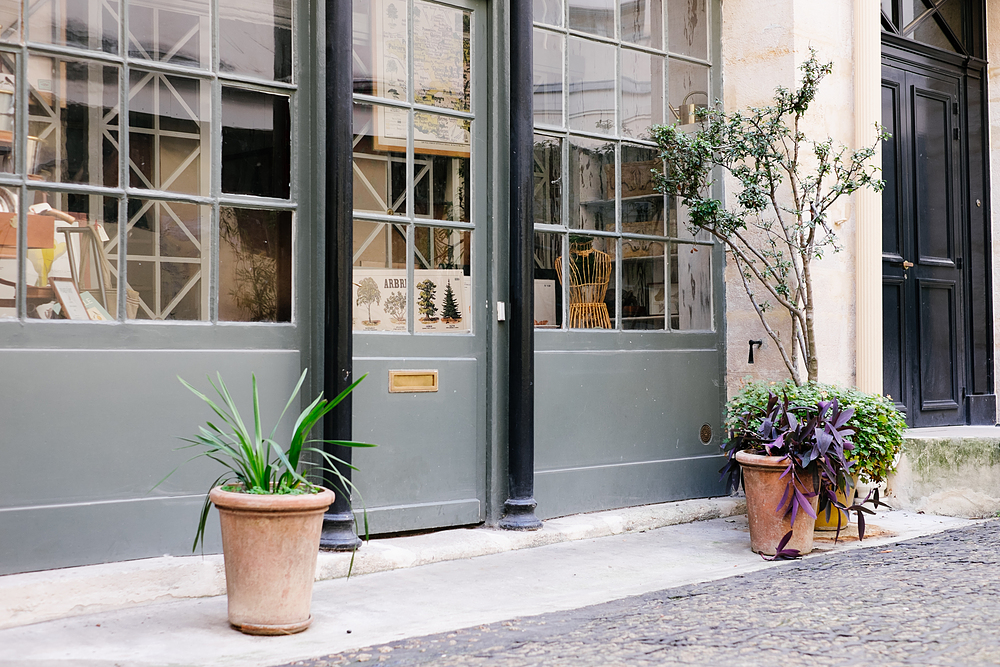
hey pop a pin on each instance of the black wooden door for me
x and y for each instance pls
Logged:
(922, 266)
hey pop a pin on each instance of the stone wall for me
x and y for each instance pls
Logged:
(762, 45)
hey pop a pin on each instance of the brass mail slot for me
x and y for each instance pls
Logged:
(412, 381)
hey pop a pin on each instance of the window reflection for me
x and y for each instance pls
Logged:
(255, 38)
(441, 163)
(255, 265)
(591, 178)
(168, 259)
(169, 133)
(380, 55)
(256, 143)
(8, 115)
(688, 21)
(72, 109)
(83, 24)
(594, 16)
(591, 86)
(643, 288)
(690, 287)
(10, 24)
(171, 31)
(548, 180)
(442, 64)
(547, 89)
(642, 93)
(642, 22)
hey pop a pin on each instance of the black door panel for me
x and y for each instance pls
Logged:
(923, 319)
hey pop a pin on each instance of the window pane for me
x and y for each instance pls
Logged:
(167, 244)
(642, 205)
(442, 56)
(256, 143)
(10, 24)
(441, 163)
(689, 90)
(548, 180)
(67, 237)
(84, 25)
(642, 93)
(548, 283)
(591, 272)
(548, 11)
(691, 287)
(8, 108)
(591, 193)
(594, 16)
(442, 280)
(379, 159)
(591, 86)
(172, 31)
(642, 22)
(380, 293)
(255, 265)
(72, 106)
(380, 34)
(169, 133)
(547, 87)
(688, 21)
(255, 38)
(643, 289)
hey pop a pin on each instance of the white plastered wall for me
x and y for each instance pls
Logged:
(763, 43)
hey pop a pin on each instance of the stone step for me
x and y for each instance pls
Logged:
(953, 471)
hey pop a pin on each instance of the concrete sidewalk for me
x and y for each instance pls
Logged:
(411, 601)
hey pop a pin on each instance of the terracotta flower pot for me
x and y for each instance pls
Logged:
(270, 544)
(764, 488)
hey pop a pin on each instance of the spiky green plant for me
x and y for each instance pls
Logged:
(258, 464)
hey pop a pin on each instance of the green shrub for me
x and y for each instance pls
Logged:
(878, 425)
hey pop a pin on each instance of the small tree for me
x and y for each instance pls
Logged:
(777, 223)
(368, 293)
(395, 305)
(449, 310)
(426, 301)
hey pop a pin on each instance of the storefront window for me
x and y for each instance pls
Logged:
(610, 252)
(139, 222)
(414, 226)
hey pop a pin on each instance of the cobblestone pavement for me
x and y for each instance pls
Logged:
(928, 601)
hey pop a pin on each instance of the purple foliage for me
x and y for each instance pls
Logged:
(813, 440)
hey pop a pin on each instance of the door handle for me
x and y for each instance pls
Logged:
(907, 265)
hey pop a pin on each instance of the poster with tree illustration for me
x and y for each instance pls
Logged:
(449, 312)
(395, 305)
(425, 302)
(441, 300)
(368, 293)
(379, 296)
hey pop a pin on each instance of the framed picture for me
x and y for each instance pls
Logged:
(69, 298)
(441, 69)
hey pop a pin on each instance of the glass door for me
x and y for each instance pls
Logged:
(419, 288)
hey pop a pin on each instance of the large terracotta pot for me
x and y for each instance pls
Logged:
(270, 544)
(764, 488)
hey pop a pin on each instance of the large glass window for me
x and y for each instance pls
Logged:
(105, 221)
(610, 252)
(414, 223)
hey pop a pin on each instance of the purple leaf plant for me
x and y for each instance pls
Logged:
(812, 439)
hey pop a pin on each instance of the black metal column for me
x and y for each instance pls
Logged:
(338, 524)
(520, 505)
